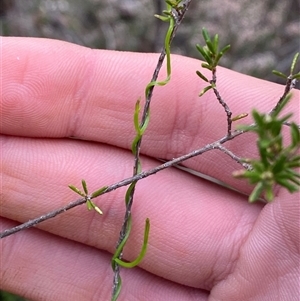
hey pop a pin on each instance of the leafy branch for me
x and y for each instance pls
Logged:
(291, 80)
(275, 166)
(211, 55)
(173, 14)
(218, 144)
(277, 163)
(106, 189)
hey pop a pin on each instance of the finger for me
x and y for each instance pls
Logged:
(56, 89)
(268, 265)
(196, 226)
(41, 266)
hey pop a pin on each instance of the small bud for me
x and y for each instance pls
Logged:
(240, 116)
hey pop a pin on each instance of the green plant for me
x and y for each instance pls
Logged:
(275, 166)
(173, 15)
(277, 163)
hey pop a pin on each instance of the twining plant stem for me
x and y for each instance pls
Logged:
(274, 167)
(174, 15)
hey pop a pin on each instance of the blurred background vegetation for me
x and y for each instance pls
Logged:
(264, 35)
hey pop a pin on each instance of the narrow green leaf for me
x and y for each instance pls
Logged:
(290, 174)
(136, 116)
(280, 74)
(143, 250)
(139, 166)
(265, 164)
(99, 192)
(221, 53)
(225, 49)
(297, 182)
(285, 183)
(258, 118)
(145, 125)
(294, 180)
(216, 43)
(218, 57)
(296, 158)
(202, 76)
(205, 35)
(294, 62)
(210, 47)
(163, 18)
(129, 191)
(284, 119)
(207, 66)
(269, 194)
(293, 163)
(89, 205)
(204, 54)
(123, 242)
(282, 104)
(75, 189)
(257, 191)
(296, 76)
(173, 3)
(134, 144)
(293, 172)
(83, 182)
(295, 134)
(205, 90)
(253, 176)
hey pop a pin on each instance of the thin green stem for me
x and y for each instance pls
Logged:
(174, 21)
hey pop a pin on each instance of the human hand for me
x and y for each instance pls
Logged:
(206, 242)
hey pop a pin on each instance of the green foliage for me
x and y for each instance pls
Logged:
(90, 204)
(275, 166)
(140, 256)
(140, 127)
(293, 65)
(119, 250)
(166, 17)
(211, 55)
(210, 51)
(277, 162)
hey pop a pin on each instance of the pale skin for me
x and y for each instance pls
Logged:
(206, 242)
